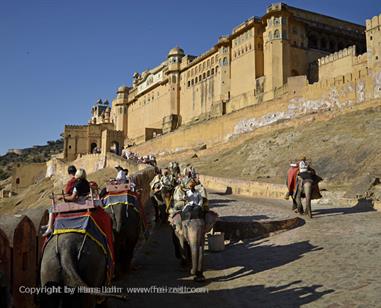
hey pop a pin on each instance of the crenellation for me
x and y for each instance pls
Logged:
(346, 52)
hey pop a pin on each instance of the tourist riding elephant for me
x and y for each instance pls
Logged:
(190, 228)
(304, 187)
(307, 187)
(71, 260)
(126, 223)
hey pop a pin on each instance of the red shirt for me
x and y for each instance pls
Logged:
(291, 178)
(70, 186)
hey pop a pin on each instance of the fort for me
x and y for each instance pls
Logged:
(288, 54)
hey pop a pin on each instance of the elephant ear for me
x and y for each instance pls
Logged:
(210, 219)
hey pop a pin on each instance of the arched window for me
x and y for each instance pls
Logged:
(196, 79)
(225, 61)
(208, 74)
(276, 34)
(203, 76)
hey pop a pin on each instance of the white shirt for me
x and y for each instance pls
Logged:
(194, 198)
(121, 176)
(303, 166)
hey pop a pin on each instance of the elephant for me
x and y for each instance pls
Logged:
(304, 187)
(72, 260)
(189, 235)
(307, 186)
(126, 223)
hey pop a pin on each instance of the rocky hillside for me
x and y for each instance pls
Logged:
(36, 154)
(345, 151)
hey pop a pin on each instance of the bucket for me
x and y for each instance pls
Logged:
(216, 242)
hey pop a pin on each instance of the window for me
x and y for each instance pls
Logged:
(212, 72)
(199, 78)
(192, 83)
(188, 83)
(196, 79)
(208, 63)
(276, 34)
(276, 21)
(203, 76)
(208, 73)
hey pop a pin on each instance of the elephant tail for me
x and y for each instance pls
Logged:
(69, 263)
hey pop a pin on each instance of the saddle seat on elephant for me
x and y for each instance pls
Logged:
(86, 217)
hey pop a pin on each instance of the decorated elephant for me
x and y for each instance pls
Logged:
(189, 229)
(72, 260)
(307, 187)
(126, 221)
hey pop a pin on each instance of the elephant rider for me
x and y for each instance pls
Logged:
(80, 192)
(121, 176)
(179, 197)
(156, 197)
(306, 172)
(167, 183)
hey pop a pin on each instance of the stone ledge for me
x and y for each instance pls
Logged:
(244, 187)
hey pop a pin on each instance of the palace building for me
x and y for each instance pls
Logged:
(250, 66)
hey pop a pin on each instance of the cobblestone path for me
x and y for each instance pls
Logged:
(333, 260)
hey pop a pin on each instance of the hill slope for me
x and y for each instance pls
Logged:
(345, 151)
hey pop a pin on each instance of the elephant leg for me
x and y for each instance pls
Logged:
(298, 199)
(308, 192)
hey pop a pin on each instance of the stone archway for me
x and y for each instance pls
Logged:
(93, 148)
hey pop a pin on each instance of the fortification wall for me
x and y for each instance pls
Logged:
(25, 175)
(296, 100)
(338, 63)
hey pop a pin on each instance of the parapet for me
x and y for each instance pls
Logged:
(373, 23)
(75, 126)
(349, 51)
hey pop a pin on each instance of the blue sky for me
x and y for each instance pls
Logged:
(58, 57)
